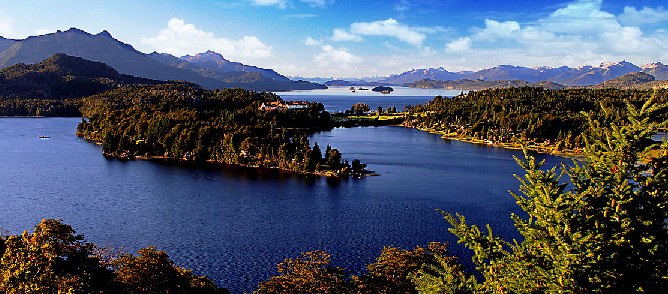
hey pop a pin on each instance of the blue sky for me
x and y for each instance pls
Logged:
(341, 38)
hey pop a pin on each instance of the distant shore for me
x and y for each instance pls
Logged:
(538, 148)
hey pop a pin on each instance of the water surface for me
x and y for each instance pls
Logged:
(338, 99)
(234, 225)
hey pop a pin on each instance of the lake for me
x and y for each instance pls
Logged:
(339, 99)
(235, 224)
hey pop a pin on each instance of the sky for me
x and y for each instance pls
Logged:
(348, 38)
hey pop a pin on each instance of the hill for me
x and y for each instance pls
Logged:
(628, 81)
(125, 59)
(62, 76)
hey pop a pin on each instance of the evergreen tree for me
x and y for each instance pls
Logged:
(603, 230)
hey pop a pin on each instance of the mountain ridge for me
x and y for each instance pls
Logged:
(586, 75)
(102, 47)
(62, 76)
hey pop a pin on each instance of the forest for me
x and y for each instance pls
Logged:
(221, 126)
(550, 121)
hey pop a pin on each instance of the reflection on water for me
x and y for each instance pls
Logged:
(234, 224)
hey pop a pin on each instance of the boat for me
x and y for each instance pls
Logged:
(362, 89)
(44, 137)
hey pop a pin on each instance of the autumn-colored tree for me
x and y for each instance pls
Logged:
(51, 259)
(152, 271)
(395, 268)
(308, 273)
(359, 108)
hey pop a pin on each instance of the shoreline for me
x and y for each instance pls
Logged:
(326, 174)
(545, 149)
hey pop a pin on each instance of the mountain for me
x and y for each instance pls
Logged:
(509, 72)
(216, 62)
(581, 76)
(345, 83)
(589, 75)
(6, 43)
(657, 69)
(420, 74)
(627, 81)
(62, 76)
(466, 84)
(125, 59)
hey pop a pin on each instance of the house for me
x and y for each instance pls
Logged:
(289, 105)
(297, 104)
(272, 106)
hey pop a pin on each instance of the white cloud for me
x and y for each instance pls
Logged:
(461, 44)
(498, 30)
(278, 3)
(330, 55)
(181, 38)
(646, 15)
(312, 42)
(282, 4)
(579, 33)
(390, 28)
(318, 3)
(340, 35)
(6, 26)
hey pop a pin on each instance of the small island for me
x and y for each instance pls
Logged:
(231, 126)
(383, 89)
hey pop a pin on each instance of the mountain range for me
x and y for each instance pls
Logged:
(580, 76)
(63, 76)
(208, 69)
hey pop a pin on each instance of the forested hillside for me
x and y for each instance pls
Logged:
(549, 120)
(222, 126)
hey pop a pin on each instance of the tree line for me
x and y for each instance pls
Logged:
(527, 115)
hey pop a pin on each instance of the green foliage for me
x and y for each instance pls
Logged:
(227, 126)
(40, 107)
(62, 76)
(526, 115)
(396, 270)
(602, 231)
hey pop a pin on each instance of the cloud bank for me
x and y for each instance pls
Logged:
(181, 38)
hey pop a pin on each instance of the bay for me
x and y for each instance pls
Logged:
(235, 224)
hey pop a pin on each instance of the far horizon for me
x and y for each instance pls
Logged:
(341, 38)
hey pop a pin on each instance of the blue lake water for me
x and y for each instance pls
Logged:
(338, 99)
(235, 224)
